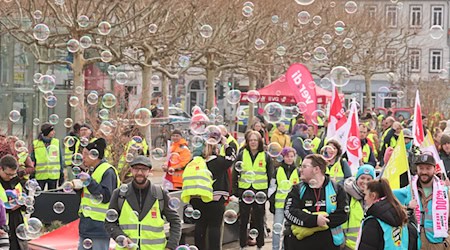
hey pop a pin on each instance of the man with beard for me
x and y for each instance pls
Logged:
(430, 203)
(141, 206)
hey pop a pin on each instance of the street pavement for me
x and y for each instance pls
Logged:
(156, 179)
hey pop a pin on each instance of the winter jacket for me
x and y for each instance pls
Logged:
(219, 165)
(283, 139)
(446, 159)
(294, 214)
(297, 144)
(372, 233)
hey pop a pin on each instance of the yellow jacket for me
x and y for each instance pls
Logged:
(283, 139)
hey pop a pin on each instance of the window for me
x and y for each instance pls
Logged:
(415, 16)
(414, 60)
(371, 11)
(390, 58)
(435, 60)
(391, 16)
(437, 14)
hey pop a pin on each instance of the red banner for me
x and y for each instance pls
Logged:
(300, 80)
(417, 130)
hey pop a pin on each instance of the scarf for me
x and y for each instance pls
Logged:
(439, 206)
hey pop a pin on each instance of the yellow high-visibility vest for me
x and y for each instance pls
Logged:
(197, 181)
(259, 168)
(48, 167)
(280, 197)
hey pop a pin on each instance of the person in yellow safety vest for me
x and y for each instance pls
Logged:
(367, 153)
(230, 140)
(386, 125)
(300, 134)
(69, 151)
(95, 195)
(136, 146)
(315, 209)
(287, 176)
(252, 176)
(355, 187)
(338, 168)
(280, 136)
(372, 140)
(10, 181)
(205, 178)
(314, 139)
(141, 207)
(48, 158)
(26, 165)
(390, 138)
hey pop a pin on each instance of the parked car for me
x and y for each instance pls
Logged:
(405, 112)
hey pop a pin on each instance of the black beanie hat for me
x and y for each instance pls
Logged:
(100, 145)
(46, 128)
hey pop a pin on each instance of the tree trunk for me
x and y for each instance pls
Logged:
(78, 81)
(146, 86)
(165, 95)
(251, 106)
(368, 84)
(269, 77)
(210, 93)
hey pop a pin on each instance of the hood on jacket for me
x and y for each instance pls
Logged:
(384, 211)
(352, 189)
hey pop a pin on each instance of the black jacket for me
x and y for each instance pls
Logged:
(446, 159)
(294, 215)
(219, 165)
(372, 233)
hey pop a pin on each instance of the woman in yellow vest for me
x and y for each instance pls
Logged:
(254, 175)
(287, 175)
(356, 188)
(211, 219)
(338, 168)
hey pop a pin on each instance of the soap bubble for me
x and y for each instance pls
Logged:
(340, 76)
(29, 210)
(85, 42)
(96, 199)
(206, 31)
(436, 32)
(384, 92)
(58, 207)
(274, 149)
(36, 122)
(197, 141)
(69, 141)
(73, 45)
(213, 134)
(34, 225)
(67, 187)
(92, 98)
(152, 28)
(83, 21)
(350, 7)
(273, 112)
(77, 159)
(111, 215)
(277, 228)
(320, 53)
(85, 178)
(253, 233)
(248, 196)
(122, 78)
(174, 158)
(123, 188)
(51, 101)
(158, 154)
(328, 152)
(21, 232)
(233, 96)
(68, 122)
(303, 17)
(174, 203)
(198, 124)
(183, 61)
(121, 241)
(53, 119)
(260, 44)
(285, 186)
(238, 166)
(46, 84)
(76, 170)
(31, 184)
(400, 94)
(196, 214)
(260, 197)
(188, 211)
(281, 50)
(302, 107)
(142, 117)
(41, 32)
(317, 20)
(348, 43)
(304, 2)
(87, 243)
(339, 27)
(74, 101)
(109, 100)
(230, 216)
(104, 28)
(93, 154)
(253, 96)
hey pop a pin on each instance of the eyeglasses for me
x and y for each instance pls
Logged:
(10, 175)
(142, 170)
(305, 166)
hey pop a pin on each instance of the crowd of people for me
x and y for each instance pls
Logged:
(291, 168)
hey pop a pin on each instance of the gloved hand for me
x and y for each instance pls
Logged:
(303, 232)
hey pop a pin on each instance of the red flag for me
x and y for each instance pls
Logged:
(354, 152)
(302, 84)
(337, 121)
(417, 130)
